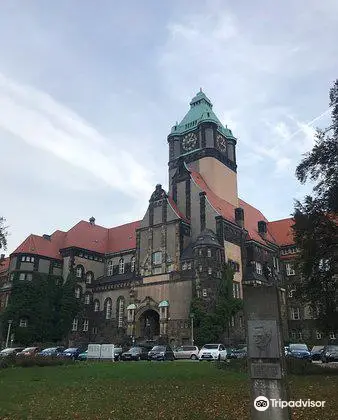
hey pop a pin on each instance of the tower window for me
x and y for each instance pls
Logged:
(258, 268)
(295, 313)
(23, 323)
(209, 270)
(79, 271)
(78, 293)
(204, 293)
(74, 325)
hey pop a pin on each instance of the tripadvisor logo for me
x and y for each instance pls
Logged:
(261, 403)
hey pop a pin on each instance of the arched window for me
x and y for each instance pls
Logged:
(120, 311)
(96, 305)
(87, 299)
(108, 307)
(121, 266)
(79, 271)
(89, 277)
(132, 264)
(110, 268)
(78, 292)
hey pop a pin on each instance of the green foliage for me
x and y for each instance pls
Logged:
(3, 234)
(315, 228)
(48, 306)
(17, 361)
(210, 325)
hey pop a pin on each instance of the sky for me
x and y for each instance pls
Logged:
(90, 90)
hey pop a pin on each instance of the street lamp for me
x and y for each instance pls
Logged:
(8, 331)
(192, 328)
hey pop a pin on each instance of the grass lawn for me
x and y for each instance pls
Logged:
(145, 390)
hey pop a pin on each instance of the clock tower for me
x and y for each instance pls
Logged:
(207, 147)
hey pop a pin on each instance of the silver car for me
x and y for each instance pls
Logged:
(186, 352)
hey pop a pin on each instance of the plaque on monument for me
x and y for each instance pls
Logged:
(263, 339)
(266, 371)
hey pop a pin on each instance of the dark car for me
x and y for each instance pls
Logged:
(10, 351)
(135, 353)
(299, 351)
(240, 353)
(51, 351)
(316, 352)
(29, 352)
(330, 353)
(71, 353)
(161, 353)
(83, 356)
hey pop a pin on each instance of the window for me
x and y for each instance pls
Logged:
(77, 292)
(204, 293)
(241, 321)
(89, 277)
(120, 312)
(200, 253)
(209, 270)
(96, 306)
(232, 321)
(258, 268)
(27, 259)
(293, 334)
(295, 313)
(108, 309)
(79, 271)
(332, 335)
(94, 330)
(209, 253)
(200, 268)
(291, 293)
(22, 276)
(318, 335)
(121, 266)
(87, 299)
(110, 268)
(324, 265)
(23, 323)
(85, 325)
(74, 325)
(236, 290)
(132, 264)
(300, 335)
(157, 257)
(275, 264)
(289, 269)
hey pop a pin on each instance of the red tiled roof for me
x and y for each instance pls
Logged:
(122, 237)
(176, 210)
(4, 264)
(35, 244)
(282, 231)
(88, 236)
(251, 215)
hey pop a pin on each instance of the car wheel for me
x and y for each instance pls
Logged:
(193, 357)
(219, 358)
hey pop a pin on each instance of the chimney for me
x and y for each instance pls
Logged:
(262, 228)
(239, 216)
(92, 220)
(47, 237)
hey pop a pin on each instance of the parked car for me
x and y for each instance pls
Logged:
(161, 353)
(299, 351)
(316, 352)
(29, 352)
(71, 353)
(329, 353)
(186, 352)
(51, 351)
(213, 352)
(82, 356)
(240, 353)
(10, 351)
(135, 353)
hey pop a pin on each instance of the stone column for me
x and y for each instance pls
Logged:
(266, 361)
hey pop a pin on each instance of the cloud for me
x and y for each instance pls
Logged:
(37, 119)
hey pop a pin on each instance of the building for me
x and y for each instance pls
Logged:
(138, 279)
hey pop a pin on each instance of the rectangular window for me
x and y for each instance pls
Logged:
(94, 330)
(275, 264)
(209, 253)
(300, 335)
(22, 276)
(121, 313)
(295, 313)
(318, 335)
(85, 325)
(258, 268)
(23, 323)
(291, 293)
(157, 257)
(236, 290)
(289, 269)
(232, 321)
(110, 268)
(74, 325)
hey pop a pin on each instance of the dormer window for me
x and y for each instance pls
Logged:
(79, 271)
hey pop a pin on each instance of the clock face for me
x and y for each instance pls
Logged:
(189, 141)
(221, 143)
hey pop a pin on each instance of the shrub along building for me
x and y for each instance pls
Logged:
(138, 279)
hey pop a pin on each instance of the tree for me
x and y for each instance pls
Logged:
(315, 228)
(210, 325)
(3, 234)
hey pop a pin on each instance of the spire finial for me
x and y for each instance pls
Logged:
(201, 90)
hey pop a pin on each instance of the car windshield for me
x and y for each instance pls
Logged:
(10, 350)
(330, 348)
(158, 348)
(211, 346)
(298, 347)
(48, 350)
(317, 348)
(134, 350)
(71, 350)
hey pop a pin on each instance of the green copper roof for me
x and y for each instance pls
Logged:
(200, 111)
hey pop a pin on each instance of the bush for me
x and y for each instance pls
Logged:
(33, 361)
(305, 367)
(235, 365)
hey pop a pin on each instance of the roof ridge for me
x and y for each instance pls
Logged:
(281, 220)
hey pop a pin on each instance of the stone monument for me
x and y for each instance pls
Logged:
(266, 360)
